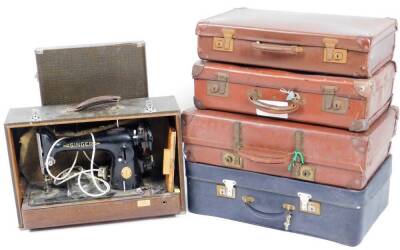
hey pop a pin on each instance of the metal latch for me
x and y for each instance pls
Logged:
(149, 107)
(218, 87)
(224, 43)
(35, 116)
(308, 206)
(331, 53)
(232, 160)
(304, 172)
(227, 190)
(332, 103)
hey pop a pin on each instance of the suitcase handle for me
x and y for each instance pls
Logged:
(96, 102)
(277, 48)
(274, 109)
(266, 158)
(249, 200)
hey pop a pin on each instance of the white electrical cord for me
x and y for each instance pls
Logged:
(65, 175)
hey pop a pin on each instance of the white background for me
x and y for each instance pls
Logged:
(168, 29)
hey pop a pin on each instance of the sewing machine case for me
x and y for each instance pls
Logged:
(72, 74)
(332, 213)
(344, 102)
(162, 113)
(330, 44)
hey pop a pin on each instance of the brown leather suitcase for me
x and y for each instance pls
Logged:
(333, 44)
(312, 153)
(335, 101)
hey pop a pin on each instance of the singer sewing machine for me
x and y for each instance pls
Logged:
(131, 151)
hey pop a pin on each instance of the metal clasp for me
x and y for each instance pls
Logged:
(35, 116)
(307, 206)
(331, 53)
(224, 43)
(227, 190)
(332, 103)
(149, 107)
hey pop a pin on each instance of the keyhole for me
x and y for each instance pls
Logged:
(306, 173)
(228, 159)
(337, 105)
(214, 89)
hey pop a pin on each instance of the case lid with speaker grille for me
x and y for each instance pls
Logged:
(73, 74)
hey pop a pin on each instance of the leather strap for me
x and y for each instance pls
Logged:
(277, 48)
(292, 106)
(96, 102)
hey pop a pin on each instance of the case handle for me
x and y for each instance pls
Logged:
(96, 101)
(277, 48)
(285, 212)
(265, 157)
(293, 105)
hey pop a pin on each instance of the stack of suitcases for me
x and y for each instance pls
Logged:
(293, 124)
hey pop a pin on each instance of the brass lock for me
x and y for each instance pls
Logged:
(224, 43)
(332, 103)
(218, 87)
(231, 160)
(303, 172)
(331, 53)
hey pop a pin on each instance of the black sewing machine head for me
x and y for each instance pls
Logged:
(130, 150)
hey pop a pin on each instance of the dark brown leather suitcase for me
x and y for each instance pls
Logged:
(73, 74)
(343, 102)
(332, 44)
(312, 153)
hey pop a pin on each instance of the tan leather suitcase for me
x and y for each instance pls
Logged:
(343, 102)
(312, 153)
(332, 44)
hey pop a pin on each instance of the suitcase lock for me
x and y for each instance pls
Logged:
(227, 190)
(308, 206)
(331, 53)
(332, 103)
(224, 43)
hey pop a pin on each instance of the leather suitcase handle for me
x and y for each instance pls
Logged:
(274, 109)
(249, 200)
(96, 101)
(277, 48)
(266, 158)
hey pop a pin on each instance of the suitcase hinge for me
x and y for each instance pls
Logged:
(308, 206)
(227, 190)
(332, 103)
(231, 160)
(224, 43)
(218, 87)
(331, 53)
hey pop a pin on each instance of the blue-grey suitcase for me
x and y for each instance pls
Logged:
(333, 213)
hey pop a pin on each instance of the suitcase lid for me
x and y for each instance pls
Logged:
(63, 114)
(352, 33)
(299, 82)
(290, 187)
(76, 73)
